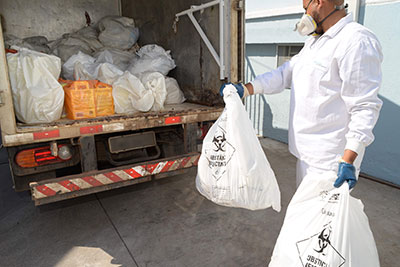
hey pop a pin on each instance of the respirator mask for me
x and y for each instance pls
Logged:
(307, 24)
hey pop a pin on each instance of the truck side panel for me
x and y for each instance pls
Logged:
(7, 116)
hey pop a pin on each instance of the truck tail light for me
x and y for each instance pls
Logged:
(41, 156)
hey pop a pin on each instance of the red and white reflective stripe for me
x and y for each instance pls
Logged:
(29, 137)
(11, 139)
(46, 135)
(81, 183)
(91, 129)
(173, 120)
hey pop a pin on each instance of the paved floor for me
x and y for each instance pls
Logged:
(167, 223)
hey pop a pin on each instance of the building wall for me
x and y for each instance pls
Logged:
(270, 113)
(383, 155)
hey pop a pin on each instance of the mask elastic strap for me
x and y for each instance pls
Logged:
(337, 8)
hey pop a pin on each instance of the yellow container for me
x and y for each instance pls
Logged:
(87, 99)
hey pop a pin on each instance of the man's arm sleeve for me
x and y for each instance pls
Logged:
(360, 70)
(275, 81)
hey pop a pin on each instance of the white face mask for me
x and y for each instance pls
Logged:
(306, 26)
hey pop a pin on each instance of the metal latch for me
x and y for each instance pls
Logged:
(239, 5)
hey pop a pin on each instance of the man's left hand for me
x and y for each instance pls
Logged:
(346, 172)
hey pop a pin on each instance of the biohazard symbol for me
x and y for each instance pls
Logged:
(324, 240)
(219, 142)
(317, 250)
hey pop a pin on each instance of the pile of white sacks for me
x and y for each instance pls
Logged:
(108, 52)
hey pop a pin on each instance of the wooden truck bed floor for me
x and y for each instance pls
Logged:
(65, 128)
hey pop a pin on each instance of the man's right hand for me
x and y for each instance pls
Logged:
(240, 88)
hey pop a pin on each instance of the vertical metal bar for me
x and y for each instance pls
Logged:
(222, 40)
(88, 153)
(190, 137)
(7, 115)
(120, 7)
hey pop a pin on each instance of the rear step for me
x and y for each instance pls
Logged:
(53, 190)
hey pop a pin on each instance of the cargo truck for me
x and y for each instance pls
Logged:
(70, 158)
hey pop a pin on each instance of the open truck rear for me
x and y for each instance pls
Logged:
(206, 42)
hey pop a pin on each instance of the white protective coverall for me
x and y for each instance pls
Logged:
(334, 105)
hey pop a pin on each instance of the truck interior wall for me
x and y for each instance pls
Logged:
(25, 18)
(196, 71)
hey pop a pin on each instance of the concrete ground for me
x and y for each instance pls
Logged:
(167, 223)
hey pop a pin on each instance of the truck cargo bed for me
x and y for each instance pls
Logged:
(66, 128)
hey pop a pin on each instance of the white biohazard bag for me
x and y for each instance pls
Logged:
(130, 95)
(118, 32)
(155, 83)
(37, 95)
(233, 169)
(152, 58)
(174, 93)
(325, 226)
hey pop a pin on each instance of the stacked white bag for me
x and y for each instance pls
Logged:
(155, 83)
(118, 32)
(108, 66)
(37, 95)
(130, 95)
(174, 93)
(152, 58)
(233, 169)
(325, 226)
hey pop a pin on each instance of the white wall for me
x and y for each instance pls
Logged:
(270, 113)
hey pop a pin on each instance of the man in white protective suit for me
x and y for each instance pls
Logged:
(334, 83)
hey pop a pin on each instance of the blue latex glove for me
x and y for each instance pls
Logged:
(346, 172)
(238, 86)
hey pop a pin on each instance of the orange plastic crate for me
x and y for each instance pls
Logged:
(87, 99)
(103, 98)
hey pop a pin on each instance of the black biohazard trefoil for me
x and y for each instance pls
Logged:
(318, 251)
(219, 153)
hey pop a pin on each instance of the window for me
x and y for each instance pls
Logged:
(286, 52)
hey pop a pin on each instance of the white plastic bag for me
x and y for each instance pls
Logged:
(130, 95)
(36, 43)
(233, 169)
(69, 45)
(324, 226)
(155, 82)
(90, 41)
(152, 58)
(85, 71)
(119, 58)
(88, 31)
(118, 32)
(69, 66)
(108, 73)
(37, 95)
(174, 93)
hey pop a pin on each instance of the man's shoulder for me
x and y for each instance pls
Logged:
(354, 32)
(359, 39)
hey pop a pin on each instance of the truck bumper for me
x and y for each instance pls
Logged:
(48, 191)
